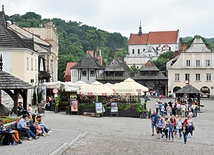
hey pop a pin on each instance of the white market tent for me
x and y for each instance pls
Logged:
(81, 84)
(68, 86)
(96, 89)
(129, 87)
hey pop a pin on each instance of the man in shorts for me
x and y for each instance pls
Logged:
(154, 118)
(159, 125)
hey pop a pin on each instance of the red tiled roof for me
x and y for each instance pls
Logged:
(161, 37)
(135, 39)
(67, 72)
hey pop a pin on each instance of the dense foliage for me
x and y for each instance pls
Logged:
(75, 38)
(161, 61)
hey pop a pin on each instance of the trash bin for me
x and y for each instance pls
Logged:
(52, 108)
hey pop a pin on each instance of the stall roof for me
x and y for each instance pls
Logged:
(188, 89)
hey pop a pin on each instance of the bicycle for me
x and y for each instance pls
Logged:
(144, 115)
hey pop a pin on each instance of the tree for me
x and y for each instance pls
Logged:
(134, 68)
(161, 61)
(121, 53)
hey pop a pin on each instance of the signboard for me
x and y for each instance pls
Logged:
(99, 107)
(55, 90)
(114, 107)
(74, 105)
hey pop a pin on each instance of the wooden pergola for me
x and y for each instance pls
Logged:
(191, 91)
(14, 87)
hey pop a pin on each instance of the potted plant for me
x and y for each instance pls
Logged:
(68, 109)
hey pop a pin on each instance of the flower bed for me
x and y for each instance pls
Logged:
(7, 119)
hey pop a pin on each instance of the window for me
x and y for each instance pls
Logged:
(35, 64)
(118, 73)
(74, 74)
(197, 63)
(207, 62)
(138, 51)
(132, 51)
(187, 62)
(197, 77)
(31, 63)
(177, 77)
(92, 73)
(83, 73)
(208, 77)
(27, 63)
(187, 77)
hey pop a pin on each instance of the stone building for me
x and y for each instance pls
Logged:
(194, 66)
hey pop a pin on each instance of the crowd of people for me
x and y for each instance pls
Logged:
(30, 123)
(174, 119)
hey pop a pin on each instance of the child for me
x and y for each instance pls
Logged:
(166, 128)
(159, 125)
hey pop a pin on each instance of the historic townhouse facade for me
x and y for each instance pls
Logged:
(42, 47)
(148, 46)
(20, 58)
(49, 34)
(194, 66)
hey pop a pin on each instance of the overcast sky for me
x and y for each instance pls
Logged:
(191, 17)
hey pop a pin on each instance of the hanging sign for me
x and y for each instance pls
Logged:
(55, 91)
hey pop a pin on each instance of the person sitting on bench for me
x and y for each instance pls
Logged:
(6, 132)
(21, 110)
(22, 126)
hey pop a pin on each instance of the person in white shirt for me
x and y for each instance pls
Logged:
(30, 109)
(183, 110)
(178, 108)
(157, 106)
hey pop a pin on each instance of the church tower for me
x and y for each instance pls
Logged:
(140, 30)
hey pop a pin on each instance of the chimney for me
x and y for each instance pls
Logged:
(100, 60)
(90, 52)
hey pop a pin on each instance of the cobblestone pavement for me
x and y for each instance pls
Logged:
(115, 136)
(132, 136)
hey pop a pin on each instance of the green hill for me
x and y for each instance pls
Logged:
(75, 38)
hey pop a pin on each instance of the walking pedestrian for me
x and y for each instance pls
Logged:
(154, 118)
(185, 130)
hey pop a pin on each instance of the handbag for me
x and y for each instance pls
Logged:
(193, 128)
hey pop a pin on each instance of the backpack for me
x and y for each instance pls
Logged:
(6, 140)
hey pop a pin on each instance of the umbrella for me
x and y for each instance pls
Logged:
(81, 84)
(96, 89)
(109, 85)
(129, 87)
(70, 86)
(57, 84)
